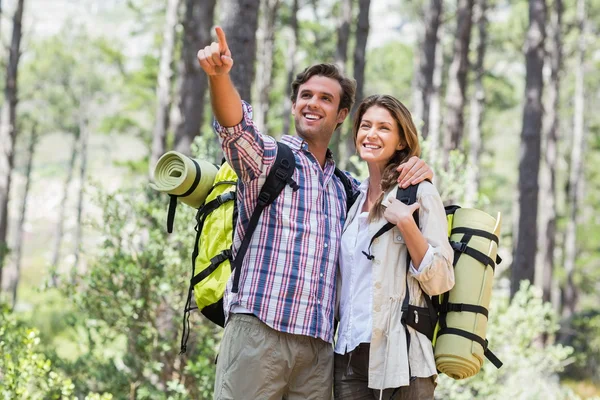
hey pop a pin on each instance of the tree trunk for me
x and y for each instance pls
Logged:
(457, 78)
(424, 73)
(341, 60)
(435, 108)
(240, 22)
(8, 132)
(22, 214)
(163, 85)
(58, 236)
(574, 194)
(525, 236)
(264, 67)
(362, 34)
(343, 34)
(291, 67)
(477, 107)
(198, 19)
(83, 150)
(547, 200)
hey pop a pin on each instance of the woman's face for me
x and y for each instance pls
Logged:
(378, 136)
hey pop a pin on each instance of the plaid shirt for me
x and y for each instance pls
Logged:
(289, 271)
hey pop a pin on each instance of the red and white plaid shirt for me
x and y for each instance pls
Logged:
(289, 271)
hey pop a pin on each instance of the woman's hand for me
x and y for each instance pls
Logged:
(398, 213)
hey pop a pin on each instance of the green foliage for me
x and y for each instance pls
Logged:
(24, 372)
(514, 332)
(583, 334)
(129, 302)
(390, 70)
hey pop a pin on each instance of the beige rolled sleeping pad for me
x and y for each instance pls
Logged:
(187, 179)
(455, 355)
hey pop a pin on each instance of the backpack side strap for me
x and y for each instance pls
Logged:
(351, 194)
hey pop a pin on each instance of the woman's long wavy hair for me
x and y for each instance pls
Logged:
(408, 136)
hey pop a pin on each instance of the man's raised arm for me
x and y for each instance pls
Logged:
(216, 61)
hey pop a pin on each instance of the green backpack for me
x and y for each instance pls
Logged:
(212, 262)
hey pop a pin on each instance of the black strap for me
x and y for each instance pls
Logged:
(351, 194)
(460, 307)
(471, 336)
(280, 175)
(462, 247)
(214, 263)
(408, 196)
(173, 197)
(475, 232)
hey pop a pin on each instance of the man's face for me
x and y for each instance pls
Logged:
(315, 110)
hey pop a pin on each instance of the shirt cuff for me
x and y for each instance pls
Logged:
(427, 260)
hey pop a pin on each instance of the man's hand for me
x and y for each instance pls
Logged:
(413, 171)
(216, 59)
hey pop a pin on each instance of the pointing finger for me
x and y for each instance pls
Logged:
(223, 47)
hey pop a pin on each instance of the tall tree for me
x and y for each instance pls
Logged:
(8, 131)
(435, 108)
(264, 68)
(197, 21)
(547, 200)
(163, 85)
(341, 60)
(240, 22)
(343, 34)
(83, 161)
(574, 195)
(290, 65)
(428, 48)
(360, 61)
(23, 212)
(477, 106)
(525, 236)
(457, 78)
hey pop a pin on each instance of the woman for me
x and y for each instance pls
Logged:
(373, 357)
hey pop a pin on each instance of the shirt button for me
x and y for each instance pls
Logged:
(325, 245)
(321, 275)
(399, 237)
(377, 308)
(318, 301)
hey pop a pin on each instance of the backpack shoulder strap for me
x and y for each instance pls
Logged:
(408, 196)
(351, 194)
(279, 176)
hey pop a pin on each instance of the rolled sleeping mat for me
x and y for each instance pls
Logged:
(457, 356)
(183, 177)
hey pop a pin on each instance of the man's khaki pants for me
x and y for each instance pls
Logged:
(256, 362)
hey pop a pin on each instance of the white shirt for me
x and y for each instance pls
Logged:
(356, 294)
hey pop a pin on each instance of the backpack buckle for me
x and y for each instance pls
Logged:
(281, 173)
(263, 199)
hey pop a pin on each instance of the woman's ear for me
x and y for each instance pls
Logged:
(401, 146)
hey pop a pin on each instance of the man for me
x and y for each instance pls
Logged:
(277, 341)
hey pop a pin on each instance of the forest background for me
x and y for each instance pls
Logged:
(505, 95)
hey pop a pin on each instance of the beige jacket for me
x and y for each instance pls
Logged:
(388, 361)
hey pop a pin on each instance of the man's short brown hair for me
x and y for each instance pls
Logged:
(329, 71)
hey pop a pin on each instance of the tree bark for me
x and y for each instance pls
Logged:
(574, 194)
(547, 200)
(525, 236)
(291, 67)
(362, 35)
(457, 78)
(8, 131)
(477, 107)
(83, 150)
(435, 108)
(264, 67)
(163, 85)
(424, 74)
(240, 22)
(341, 60)
(343, 34)
(22, 214)
(197, 22)
(58, 235)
